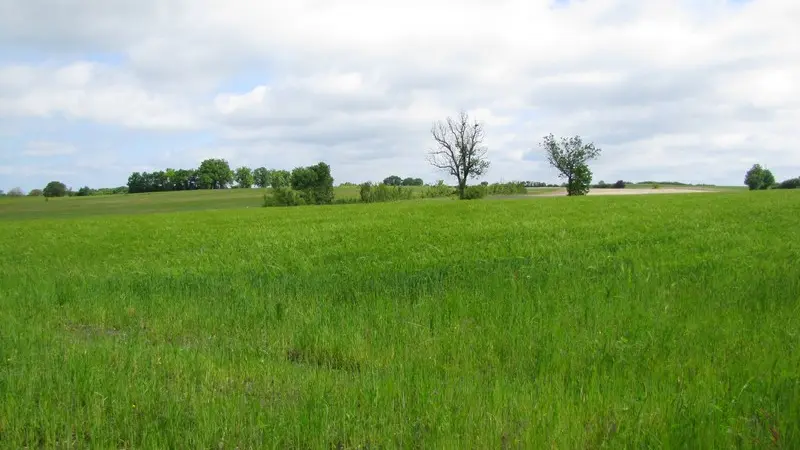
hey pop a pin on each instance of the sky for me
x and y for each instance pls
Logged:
(688, 90)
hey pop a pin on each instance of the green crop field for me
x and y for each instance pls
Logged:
(187, 320)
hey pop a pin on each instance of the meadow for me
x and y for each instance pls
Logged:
(164, 321)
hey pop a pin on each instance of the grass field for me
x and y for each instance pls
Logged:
(668, 321)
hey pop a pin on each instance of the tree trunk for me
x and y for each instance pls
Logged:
(462, 186)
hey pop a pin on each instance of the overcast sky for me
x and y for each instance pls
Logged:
(688, 90)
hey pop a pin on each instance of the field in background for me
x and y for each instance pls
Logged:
(664, 321)
(199, 200)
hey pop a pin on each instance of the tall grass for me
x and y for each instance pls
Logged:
(644, 322)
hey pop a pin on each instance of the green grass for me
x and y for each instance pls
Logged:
(667, 321)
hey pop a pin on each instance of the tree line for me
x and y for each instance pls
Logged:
(213, 173)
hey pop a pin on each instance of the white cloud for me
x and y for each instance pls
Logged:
(690, 90)
(45, 148)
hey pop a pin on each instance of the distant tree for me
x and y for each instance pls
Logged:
(261, 177)
(620, 184)
(791, 183)
(393, 180)
(214, 174)
(413, 182)
(315, 183)
(35, 193)
(570, 157)
(459, 149)
(84, 191)
(244, 177)
(16, 192)
(55, 189)
(2, 193)
(280, 178)
(758, 178)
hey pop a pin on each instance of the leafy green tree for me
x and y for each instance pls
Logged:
(580, 182)
(570, 156)
(315, 182)
(393, 180)
(459, 149)
(620, 184)
(413, 182)
(244, 177)
(214, 174)
(84, 191)
(758, 178)
(261, 177)
(55, 189)
(280, 178)
(35, 193)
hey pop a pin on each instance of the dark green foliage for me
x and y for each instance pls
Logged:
(791, 183)
(315, 182)
(580, 181)
(284, 196)
(570, 156)
(759, 178)
(55, 189)
(413, 182)
(35, 193)
(374, 193)
(84, 192)
(167, 180)
(620, 184)
(512, 188)
(262, 177)
(539, 184)
(393, 180)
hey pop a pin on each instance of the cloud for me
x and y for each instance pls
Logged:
(45, 148)
(688, 90)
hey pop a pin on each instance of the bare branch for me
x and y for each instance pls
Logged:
(459, 148)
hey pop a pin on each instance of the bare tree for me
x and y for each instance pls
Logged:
(459, 149)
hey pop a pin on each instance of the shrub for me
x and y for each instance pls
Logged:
(315, 183)
(438, 190)
(620, 184)
(474, 192)
(791, 183)
(35, 193)
(373, 193)
(285, 197)
(513, 188)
